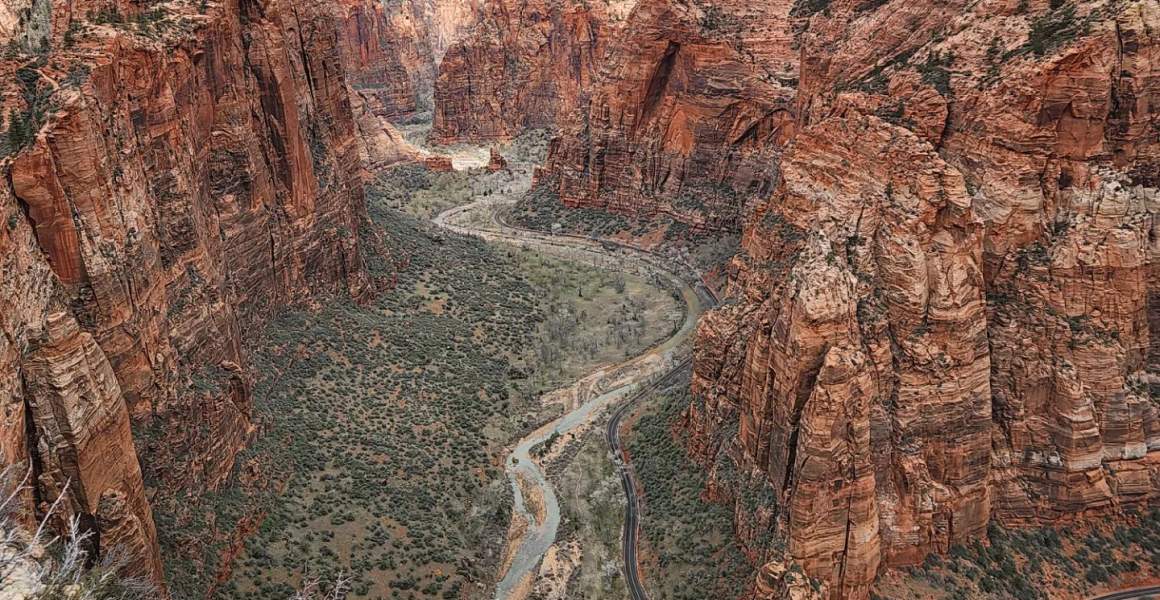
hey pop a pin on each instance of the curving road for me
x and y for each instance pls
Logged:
(601, 389)
(631, 528)
(628, 481)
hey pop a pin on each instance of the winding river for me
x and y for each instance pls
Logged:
(598, 390)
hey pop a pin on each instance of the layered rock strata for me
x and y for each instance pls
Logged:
(496, 161)
(946, 311)
(864, 339)
(381, 145)
(189, 177)
(525, 64)
(687, 115)
(390, 54)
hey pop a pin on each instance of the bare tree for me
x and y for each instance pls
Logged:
(312, 589)
(35, 566)
(38, 567)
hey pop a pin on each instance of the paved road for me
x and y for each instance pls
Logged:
(605, 388)
(1145, 593)
(631, 527)
(628, 481)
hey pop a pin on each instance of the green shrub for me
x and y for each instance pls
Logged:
(1053, 29)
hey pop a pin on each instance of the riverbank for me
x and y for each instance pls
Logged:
(384, 426)
(601, 390)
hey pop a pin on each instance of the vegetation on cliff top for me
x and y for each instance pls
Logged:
(1036, 564)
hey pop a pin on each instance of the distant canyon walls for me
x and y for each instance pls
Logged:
(687, 116)
(192, 176)
(946, 308)
(524, 64)
(391, 52)
(946, 311)
(392, 49)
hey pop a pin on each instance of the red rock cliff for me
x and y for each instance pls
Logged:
(947, 311)
(200, 173)
(392, 49)
(687, 115)
(525, 64)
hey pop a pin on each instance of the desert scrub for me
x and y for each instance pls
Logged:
(381, 427)
(687, 539)
(1036, 564)
(421, 192)
(385, 424)
(541, 210)
(424, 193)
(593, 317)
(392, 418)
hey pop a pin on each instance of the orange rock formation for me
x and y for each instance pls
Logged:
(392, 49)
(691, 107)
(199, 175)
(947, 311)
(525, 64)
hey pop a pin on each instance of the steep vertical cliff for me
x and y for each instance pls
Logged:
(687, 115)
(947, 309)
(179, 173)
(525, 64)
(392, 49)
(858, 343)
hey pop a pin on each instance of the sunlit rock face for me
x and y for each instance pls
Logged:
(851, 335)
(947, 309)
(196, 178)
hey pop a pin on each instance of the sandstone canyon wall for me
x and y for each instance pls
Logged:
(947, 311)
(392, 49)
(687, 115)
(185, 175)
(524, 64)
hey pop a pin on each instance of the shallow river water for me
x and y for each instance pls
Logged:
(602, 388)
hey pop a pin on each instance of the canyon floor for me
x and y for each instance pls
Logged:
(571, 300)
(384, 428)
(586, 401)
(444, 440)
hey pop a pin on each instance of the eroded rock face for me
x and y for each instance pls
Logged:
(13, 20)
(525, 64)
(864, 338)
(80, 429)
(496, 161)
(779, 581)
(946, 311)
(392, 49)
(381, 145)
(687, 116)
(194, 182)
